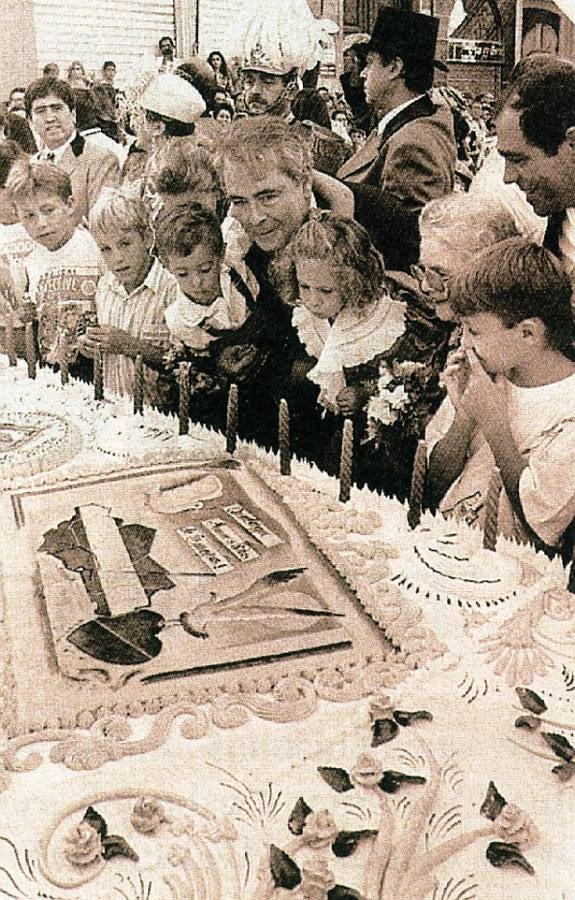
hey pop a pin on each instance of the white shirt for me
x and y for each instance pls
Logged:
(388, 117)
(15, 245)
(542, 421)
(567, 243)
(140, 313)
(67, 276)
(57, 153)
(190, 323)
(97, 137)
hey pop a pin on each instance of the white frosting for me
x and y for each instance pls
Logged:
(454, 566)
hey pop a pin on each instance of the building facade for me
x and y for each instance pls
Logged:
(482, 39)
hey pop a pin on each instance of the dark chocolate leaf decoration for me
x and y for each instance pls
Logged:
(95, 821)
(531, 701)
(493, 803)
(346, 841)
(383, 730)
(341, 892)
(392, 781)
(502, 855)
(404, 718)
(114, 845)
(531, 723)
(564, 772)
(299, 814)
(560, 745)
(285, 873)
(129, 639)
(338, 779)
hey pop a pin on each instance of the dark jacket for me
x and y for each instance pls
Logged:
(396, 173)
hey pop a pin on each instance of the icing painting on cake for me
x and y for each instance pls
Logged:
(144, 582)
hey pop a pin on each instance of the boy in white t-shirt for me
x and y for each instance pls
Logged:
(64, 265)
(512, 387)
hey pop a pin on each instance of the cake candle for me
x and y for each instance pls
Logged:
(418, 483)
(492, 510)
(346, 461)
(10, 339)
(138, 388)
(284, 439)
(30, 349)
(232, 419)
(98, 375)
(184, 397)
(64, 367)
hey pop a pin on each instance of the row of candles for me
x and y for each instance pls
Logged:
(420, 467)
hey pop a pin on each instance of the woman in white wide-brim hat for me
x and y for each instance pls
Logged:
(165, 107)
(172, 106)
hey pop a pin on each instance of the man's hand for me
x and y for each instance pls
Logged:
(235, 361)
(107, 339)
(350, 400)
(334, 193)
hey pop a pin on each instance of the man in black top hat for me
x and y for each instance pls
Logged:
(409, 158)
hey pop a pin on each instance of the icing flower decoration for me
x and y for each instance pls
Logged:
(147, 816)
(89, 841)
(83, 845)
(559, 605)
(319, 830)
(367, 771)
(514, 825)
(317, 880)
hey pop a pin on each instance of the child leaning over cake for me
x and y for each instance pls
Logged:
(512, 391)
(212, 299)
(349, 325)
(63, 267)
(131, 297)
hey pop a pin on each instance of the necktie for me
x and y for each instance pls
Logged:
(50, 157)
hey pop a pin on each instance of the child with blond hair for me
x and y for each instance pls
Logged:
(131, 297)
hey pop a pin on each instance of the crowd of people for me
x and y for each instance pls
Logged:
(315, 248)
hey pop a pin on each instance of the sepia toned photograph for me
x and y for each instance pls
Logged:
(287, 428)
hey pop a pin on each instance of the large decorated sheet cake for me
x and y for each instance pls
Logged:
(366, 710)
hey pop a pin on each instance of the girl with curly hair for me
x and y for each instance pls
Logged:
(348, 322)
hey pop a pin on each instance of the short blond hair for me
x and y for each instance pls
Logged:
(121, 209)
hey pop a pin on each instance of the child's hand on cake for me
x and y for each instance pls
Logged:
(107, 339)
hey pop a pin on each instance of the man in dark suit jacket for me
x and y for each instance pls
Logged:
(410, 157)
(536, 137)
(50, 107)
